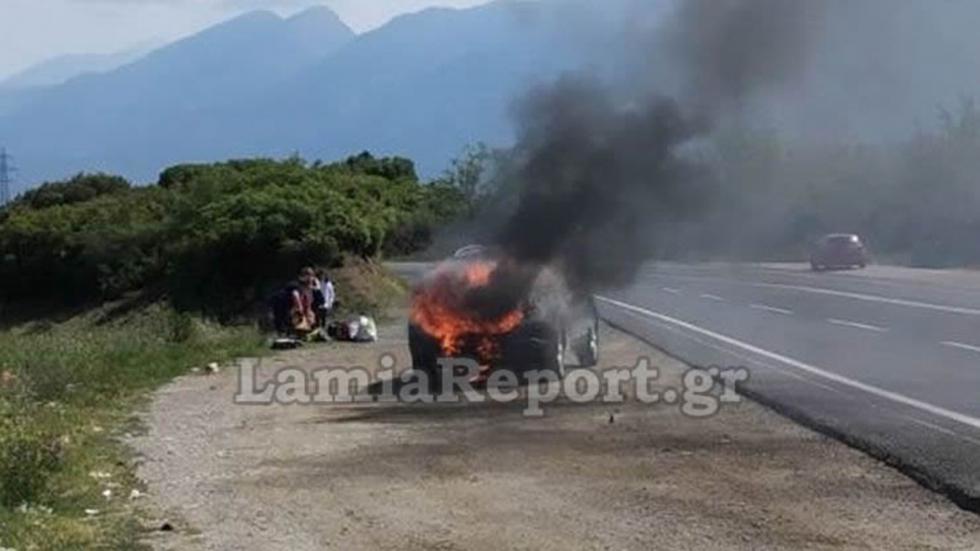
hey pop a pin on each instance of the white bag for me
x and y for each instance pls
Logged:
(363, 329)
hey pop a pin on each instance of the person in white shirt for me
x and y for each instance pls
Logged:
(329, 295)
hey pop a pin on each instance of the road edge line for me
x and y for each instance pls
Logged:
(841, 379)
(965, 498)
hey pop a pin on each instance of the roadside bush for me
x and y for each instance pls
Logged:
(77, 252)
(182, 327)
(215, 237)
(82, 187)
(29, 456)
(67, 389)
(365, 288)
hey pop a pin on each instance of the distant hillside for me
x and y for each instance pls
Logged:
(60, 69)
(427, 84)
(423, 86)
(180, 102)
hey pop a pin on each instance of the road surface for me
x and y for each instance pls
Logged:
(886, 359)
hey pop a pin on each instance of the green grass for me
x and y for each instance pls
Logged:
(367, 288)
(67, 392)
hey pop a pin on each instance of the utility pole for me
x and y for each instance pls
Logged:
(5, 179)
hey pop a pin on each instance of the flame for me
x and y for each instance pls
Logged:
(437, 309)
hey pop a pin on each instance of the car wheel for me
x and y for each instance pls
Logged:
(559, 356)
(425, 356)
(588, 349)
(536, 346)
(547, 354)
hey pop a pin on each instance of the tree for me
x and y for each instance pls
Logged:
(215, 236)
(470, 173)
(80, 188)
(389, 168)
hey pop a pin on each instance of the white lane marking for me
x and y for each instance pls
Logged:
(715, 298)
(772, 309)
(961, 346)
(745, 357)
(671, 291)
(870, 389)
(873, 298)
(857, 325)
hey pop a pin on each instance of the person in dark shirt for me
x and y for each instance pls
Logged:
(294, 308)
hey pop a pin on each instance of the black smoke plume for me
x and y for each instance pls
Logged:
(600, 172)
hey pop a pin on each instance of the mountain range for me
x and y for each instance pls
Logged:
(423, 86)
(427, 84)
(61, 69)
(179, 102)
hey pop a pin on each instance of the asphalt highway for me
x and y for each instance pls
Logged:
(886, 359)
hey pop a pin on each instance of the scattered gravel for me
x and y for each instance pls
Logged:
(485, 477)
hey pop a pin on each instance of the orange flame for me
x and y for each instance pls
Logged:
(437, 309)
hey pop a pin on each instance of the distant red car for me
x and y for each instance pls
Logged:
(838, 250)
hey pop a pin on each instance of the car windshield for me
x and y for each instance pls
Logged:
(471, 252)
(840, 240)
(490, 274)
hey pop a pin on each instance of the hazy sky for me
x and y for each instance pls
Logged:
(34, 30)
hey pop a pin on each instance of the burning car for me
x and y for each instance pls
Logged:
(483, 306)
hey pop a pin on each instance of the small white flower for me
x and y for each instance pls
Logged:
(135, 494)
(107, 494)
(91, 512)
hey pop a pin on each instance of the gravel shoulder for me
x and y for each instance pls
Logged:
(480, 476)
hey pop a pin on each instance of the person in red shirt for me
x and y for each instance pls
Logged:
(302, 310)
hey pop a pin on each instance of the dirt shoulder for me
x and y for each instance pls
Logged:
(392, 476)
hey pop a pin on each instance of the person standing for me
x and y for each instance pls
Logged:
(302, 307)
(327, 298)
